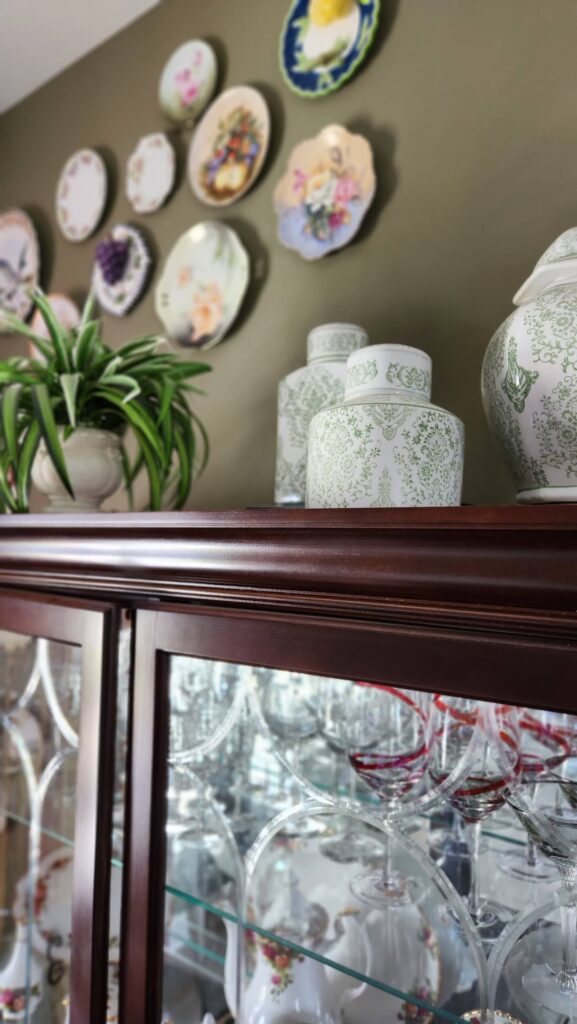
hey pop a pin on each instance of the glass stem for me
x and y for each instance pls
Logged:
(568, 974)
(387, 861)
(474, 850)
(531, 854)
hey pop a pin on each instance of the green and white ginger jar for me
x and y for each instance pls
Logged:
(386, 444)
(305, 392)
(529, 379)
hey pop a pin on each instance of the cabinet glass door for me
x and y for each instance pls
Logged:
(341, 850)
(56, 734)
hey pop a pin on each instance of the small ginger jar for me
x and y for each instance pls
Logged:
(529, 379)
(305, 392)
(385, 444)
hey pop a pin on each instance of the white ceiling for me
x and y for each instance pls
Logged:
(39, 38)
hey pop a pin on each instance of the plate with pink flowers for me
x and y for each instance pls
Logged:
(81, 195)
(326, 190)
(229, 147)
(202, 285)
(187, 82)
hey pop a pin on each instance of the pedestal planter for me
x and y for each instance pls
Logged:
(94, 467)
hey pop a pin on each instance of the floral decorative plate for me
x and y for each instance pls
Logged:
(19, 262)
(187, 82)
(323, 42)
(229, 146)
(202, 285)
(326, 191)
(150, 173)
(121, 269)
(81, 195)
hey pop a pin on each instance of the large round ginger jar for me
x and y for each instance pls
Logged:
(529, 379)
(386, 444)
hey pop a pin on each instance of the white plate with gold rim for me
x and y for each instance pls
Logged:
(150, 171)
(81, 195)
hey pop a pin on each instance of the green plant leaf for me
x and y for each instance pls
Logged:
(85, 343)
(10, 403)
(49, 430)
(19, 327)
(55, 330)
(136, 416)
(70, 382)
(185, 458)
(6, 495)
(122, 380)
(127, 474)
(152, 469)
(25, 460)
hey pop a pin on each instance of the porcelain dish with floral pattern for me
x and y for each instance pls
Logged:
(150, 173)
(81, 195)
(324, 42)
(229, 147)
(187, 82)
(121, 293)
(328, 186)
(19, 262)
(203, 284)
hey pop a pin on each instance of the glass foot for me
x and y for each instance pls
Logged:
(552, 988)
(394, 891)
(490, 920)
(514, 863)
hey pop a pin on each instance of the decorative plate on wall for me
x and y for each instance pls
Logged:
(150, 173)
(19, 262)
(202, 285)
(229, 146)
(326, 190)
(323, 42)
(121, 269)
(187, 82)
(81, 195)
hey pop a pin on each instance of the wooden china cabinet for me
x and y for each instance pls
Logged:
(200, 782)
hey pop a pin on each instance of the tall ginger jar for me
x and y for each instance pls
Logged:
(529, 379)
(305, 392)
(386, 444)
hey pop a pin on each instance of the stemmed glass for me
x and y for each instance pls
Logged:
(554, 830)
(488, 737)
(544, 746)
(385, 730)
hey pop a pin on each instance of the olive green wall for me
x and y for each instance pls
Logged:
(471, 108)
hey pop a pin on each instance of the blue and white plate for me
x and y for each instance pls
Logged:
(319, 54)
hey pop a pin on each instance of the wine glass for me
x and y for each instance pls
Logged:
(385, 729)
(554, 830)
(544, 745)
(488, 737)
(350, 844)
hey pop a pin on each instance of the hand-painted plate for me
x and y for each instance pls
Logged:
(202, 285)
(150, 173)
(326, 190)
(323, 42)
(19, 262)
(187, 82)
(120, 296)
(229, 146)
(81, 195)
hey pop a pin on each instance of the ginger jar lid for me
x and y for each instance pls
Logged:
(382, 370)
(335, 342)
(557, 266)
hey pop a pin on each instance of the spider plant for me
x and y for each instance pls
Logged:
(75, 380)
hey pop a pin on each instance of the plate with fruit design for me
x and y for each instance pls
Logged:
(19, 263)
(121, 269)
(187, 82)
(323, 42)
(325, 192)
(202, 285)
(81, 195)
(229, 147)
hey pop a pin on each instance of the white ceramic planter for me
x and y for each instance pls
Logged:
(305, 392)
(386, 444)
(529, 380)
(94, 468)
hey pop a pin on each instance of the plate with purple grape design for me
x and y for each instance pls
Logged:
(121, 269)
(229, 147)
